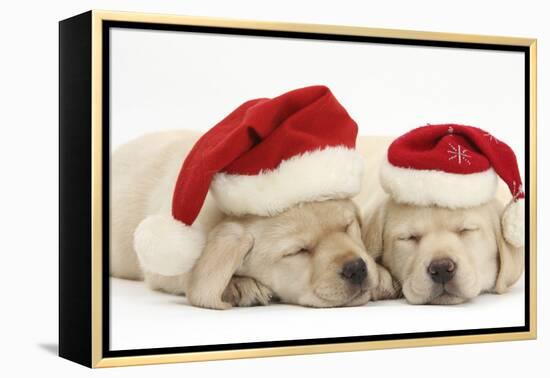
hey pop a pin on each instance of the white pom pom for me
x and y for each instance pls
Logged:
(513, 223)
(166, 246)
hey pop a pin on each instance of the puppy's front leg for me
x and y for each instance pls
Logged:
(227, 245)
(245, 291)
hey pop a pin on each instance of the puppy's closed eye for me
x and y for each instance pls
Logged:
(414, 238)
(301, 251)
(467, 230)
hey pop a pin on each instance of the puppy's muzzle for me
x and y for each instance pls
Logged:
(355, 271)
(442, 271)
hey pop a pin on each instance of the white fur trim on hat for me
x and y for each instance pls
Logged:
(431, 187)
(331, 173)
(166, 246)
(513, 223)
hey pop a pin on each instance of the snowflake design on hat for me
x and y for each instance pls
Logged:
(491, 138)
(459, 153)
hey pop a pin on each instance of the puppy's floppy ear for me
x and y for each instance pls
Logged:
(227, 245)
(511, 258)
(373, 230)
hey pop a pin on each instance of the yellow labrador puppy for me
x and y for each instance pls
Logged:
(311, 254)
(437, 255)
(443, 256)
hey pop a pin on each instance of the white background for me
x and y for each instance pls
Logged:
(142, 318)
(28, 151)
(172, 80)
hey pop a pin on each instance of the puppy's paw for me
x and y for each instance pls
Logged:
(246, 291)
(388, 287)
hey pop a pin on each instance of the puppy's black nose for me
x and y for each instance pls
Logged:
(355, 271)
(442, 270)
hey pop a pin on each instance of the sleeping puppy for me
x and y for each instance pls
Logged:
(311, 254)
(443, 256)
(437, 255)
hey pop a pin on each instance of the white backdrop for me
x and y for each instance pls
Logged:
(171, 80)
(28, 152)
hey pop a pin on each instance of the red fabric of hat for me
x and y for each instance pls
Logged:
(456, 149)
(254, 141)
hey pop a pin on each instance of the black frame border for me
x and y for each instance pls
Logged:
(107, 25)
(75, 194)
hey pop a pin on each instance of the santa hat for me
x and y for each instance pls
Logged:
(265, 157)
(454, 166)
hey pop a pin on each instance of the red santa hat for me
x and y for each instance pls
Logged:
(265, 157)
(454, 166)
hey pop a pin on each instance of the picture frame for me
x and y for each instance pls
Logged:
(85, 116)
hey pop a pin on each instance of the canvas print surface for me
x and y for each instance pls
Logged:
(266, 189)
